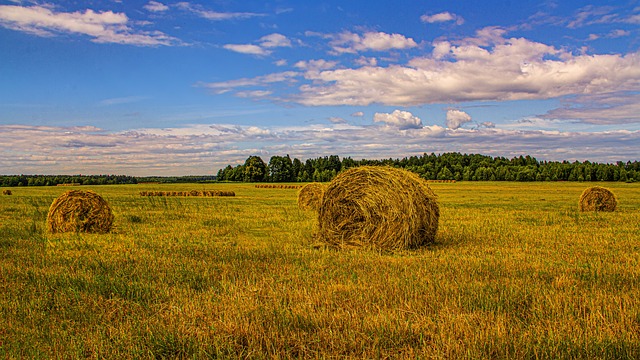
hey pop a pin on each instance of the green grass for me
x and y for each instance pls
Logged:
(516, 272)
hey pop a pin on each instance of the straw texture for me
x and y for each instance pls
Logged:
(597, 198)
(379, 207)
(310, 196)
(79, 211)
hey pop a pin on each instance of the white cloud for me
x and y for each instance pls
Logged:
(225, 86)
(484, 68)
(366, 61)
(457, 118)
(348, 42)
(402, 120)
(267, 43)
(601, 109)
(613, 34)
(358, 114)
(442, 17)
(315, 65)
(274, 40)
(202, 149)
(155, 6)
(102, 27)
(247, 49)
(214, 15)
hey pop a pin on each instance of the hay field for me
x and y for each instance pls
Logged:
(516, 272)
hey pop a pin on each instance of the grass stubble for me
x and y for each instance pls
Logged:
(515, 272)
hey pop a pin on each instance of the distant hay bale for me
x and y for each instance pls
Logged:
(310, 196)
(597, 198)
(6, 192)
(380, 207)
(196, 193)
(79, 211)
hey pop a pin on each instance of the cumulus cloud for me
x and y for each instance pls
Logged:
(487, 67)
(155, 6)
(266, 44)
(402, 120)
(102, 27)
(442, 17)
(202, 149)
(348, 42)
(274, 40)
(457, 118)
(366, 61)
(358, 114)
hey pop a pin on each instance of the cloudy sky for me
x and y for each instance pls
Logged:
(187, 87)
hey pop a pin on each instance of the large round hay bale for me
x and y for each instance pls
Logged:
(379, 207)
(79, 211)
(597, 198)
(310, 196)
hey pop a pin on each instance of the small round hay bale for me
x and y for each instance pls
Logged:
(79, 211)
(310, 196)
(379, 207)
(597, 198)
(6, 192)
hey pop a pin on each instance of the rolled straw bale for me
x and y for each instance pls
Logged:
(380, 207)
(79, 211)
(597, 198)
(310, 196)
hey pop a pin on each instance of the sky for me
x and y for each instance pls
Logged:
(170, 88)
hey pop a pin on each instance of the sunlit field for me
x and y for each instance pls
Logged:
(516, 272)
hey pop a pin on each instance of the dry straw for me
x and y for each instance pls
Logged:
(597, 198)
(79, 211)
(196, 193)
(379, 207)
(310, 196)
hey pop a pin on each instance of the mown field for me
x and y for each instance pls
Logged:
(516, 272)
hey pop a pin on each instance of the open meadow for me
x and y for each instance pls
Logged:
(516, 272)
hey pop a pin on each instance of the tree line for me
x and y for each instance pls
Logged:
(447, 166)
(54, 180)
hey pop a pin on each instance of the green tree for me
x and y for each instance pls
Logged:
(255, 170)
(281, 169)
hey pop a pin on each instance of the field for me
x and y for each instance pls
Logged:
(516, 272)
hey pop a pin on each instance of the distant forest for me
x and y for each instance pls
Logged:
(56, 180)
(447, 166)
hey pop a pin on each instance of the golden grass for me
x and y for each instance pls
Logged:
(79, 211)
(515, 272)
(379, 207)
(310, 196)
(597, 198)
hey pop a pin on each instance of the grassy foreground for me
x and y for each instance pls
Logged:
(517, 272)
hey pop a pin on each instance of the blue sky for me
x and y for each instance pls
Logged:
(187, 87)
